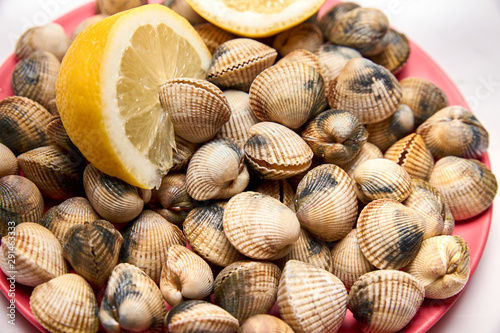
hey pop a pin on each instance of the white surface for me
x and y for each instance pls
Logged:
(462, 36)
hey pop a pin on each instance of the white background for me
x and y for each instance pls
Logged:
(462, 36)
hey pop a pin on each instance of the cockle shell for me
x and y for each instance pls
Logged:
(332, 60)
(305, 36)
(259, 226)
(38, 254)
(389, 233)
(212, 35)
(367, 152)
(303, 56)
(65, 304)
(197, 108)
(132, 302)
(385, 300)
(57, 133)
(326, 202)
(182, 8)
(468, 186)
(50, 37)
(246, 288)
(86, 23)
(9, 165)
(395, 54)
(263, 323)
(183, 152)
(454, 131)
(333, 15)
(185, 275)
(237, 62)
(442, 265)
(110, 7)
(371, 92)
(279, 190)
(311, 299)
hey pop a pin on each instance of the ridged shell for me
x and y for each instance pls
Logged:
(85, 24)
(396, 52)
(204, 231)
(426, 200)
(468, 186)
(279, 190)
(200, 316)
(348, 262)
(385, 301)
(326, 202)
(311, 299)
(423, 97)
(274, 151)
(183, 152)
(381, 179)
(92, 249)
(288, 93)
(332, 59)
(263, 323)
(305, 36)
(9, 165)
(454, 131)
(260, 226)
(246, 288)
(35, 77)
(304, 56)
(132, 302)
(56, 172)
(23, 124)
(389, 233)
(52, 107)
(57, 133)
(182, 8)
(50, 37)
(442, 265)
(237, 62)
(38, 254)
(212, 35)
(367, 152)
(295, 180)
(110, 7)
(412, 154)
(217, 170)
(197, 108)
(20, 201)
(335, 136)
(388, 131)
(333, 15)
(185, 275)
(66, 304)
(115, 200)
(366, 89)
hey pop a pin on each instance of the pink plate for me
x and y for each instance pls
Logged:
(474, 231)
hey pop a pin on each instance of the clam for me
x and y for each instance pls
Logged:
(367, 152)
(242, 117)
(442, 265)
(37, 252)
(304, 56)
(332, 60)
(56, 172)
(146, 241)
(182, 8)
(288, 93)
(295, 180)
(197, 108)
(395, 53)
(200, 316)
(274, 151)
(73, 211)
(183, 152)
(348, 262)
(380, 178)
(9, 165)
(115, 200)
(305, 36)
(278, 189)
(237, 62)
(132, 302)
(387, 132)
(50, 37)
(185, 275)
(263, 323)
(333, 15)
(326, 202)
(85, 24)
(57, 133)
(23, 124)
(371, 92)
(423, 97)
(212, 35)
(20, 201)
(385, 300)
(454, 131)
(203, 228)
(65, 304)
(52, 107)
(217, 170)
(389, 233)
(35, 77)
(246, 288)
(110, 7)
(335, 136)
(92, 249)
(259, 226)
(311, 299)
(468, 186)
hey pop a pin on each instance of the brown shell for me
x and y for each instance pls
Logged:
(197, 108)
(263, 323)
(274, 151)
(371, 92)
(332, 60)
(50, 37)
(367, 152)
(110, 7)
(212, 35)
(9, 165)
(333, 15)
(389, 233)
(396, 52)
(237, 62)
(305, 36)
(182, 8)
(304, 56)
(85, 24)
(57, 133)
(279, 190)
(182, 153)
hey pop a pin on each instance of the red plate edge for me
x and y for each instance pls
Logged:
(475, 230)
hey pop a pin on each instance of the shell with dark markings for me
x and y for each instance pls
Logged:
(279, 190)
(50, 37)
(305, 36)
(212, 35)
(333, 15)
(396, 52)
(183, 152)
(57, 133)
(367, 152)
(9, 165)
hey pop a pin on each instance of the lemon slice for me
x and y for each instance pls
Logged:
(255, 18)
(107, 90)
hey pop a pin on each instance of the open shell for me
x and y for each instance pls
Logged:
(9, 165)
(50, 37)
(305, 36)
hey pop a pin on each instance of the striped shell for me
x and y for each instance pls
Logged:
(183, 152)
(396, 52)
(367, 152)
(332, 59)
(262, 323)
(57, 133)
(333, 15)
(304, 56)
(305, 36)
(212, 35)
(279, 190)
(50, 37)
(9, 165)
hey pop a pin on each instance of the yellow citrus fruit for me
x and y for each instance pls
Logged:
(255, 18)
(107, 90)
